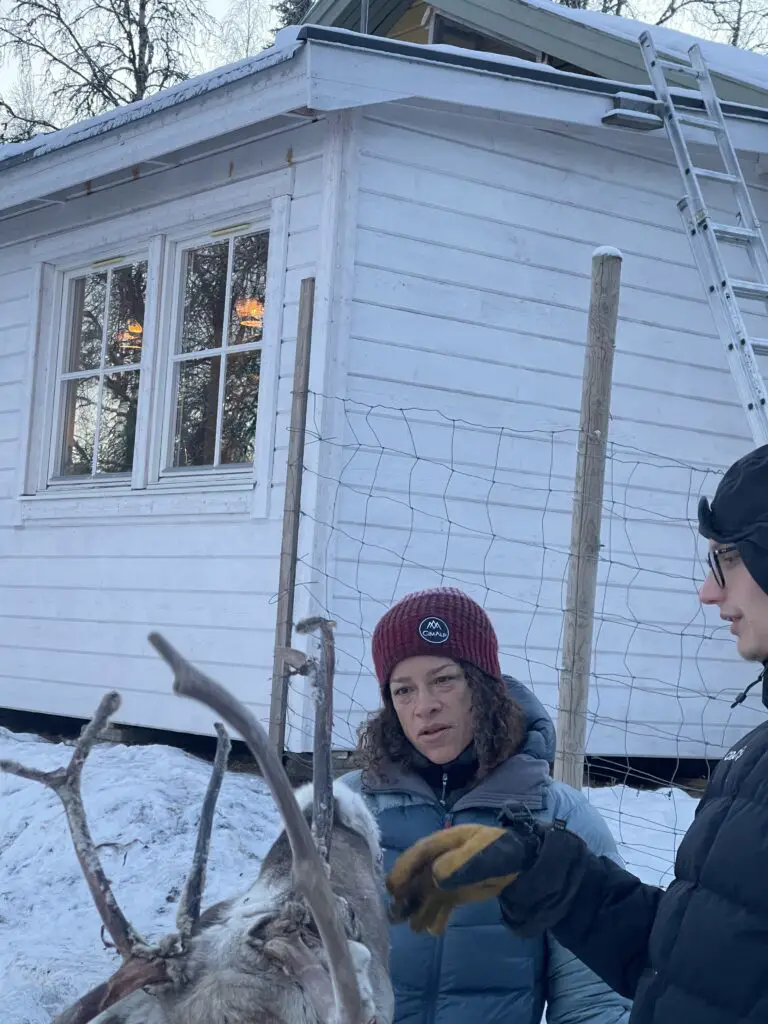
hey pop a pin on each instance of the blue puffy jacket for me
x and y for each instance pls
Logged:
(479, 970)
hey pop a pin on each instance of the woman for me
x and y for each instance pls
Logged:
(454, 743)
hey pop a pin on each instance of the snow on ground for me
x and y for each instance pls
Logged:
(647, 826)
(143, 804)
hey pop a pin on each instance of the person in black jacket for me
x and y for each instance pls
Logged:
(696, 953)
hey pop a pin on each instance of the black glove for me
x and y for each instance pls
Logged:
(541, 894)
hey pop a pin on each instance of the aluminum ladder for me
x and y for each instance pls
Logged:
(706, 235)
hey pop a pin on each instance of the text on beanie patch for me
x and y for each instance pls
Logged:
(433, 630)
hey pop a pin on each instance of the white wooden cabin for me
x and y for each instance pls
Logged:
(448, 204)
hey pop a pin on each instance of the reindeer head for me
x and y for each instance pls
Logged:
(306, 944)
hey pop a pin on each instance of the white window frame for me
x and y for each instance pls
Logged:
(56, 398)
(164, 472)
(152, 485)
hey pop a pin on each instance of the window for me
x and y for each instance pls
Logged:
(99, 388)
(158, 367)
(216, 365)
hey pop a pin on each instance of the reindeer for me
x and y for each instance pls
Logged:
(307, 943)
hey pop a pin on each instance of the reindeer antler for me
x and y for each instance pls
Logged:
(66, 782)
(143, 964)
(308, 868)
(189, 906)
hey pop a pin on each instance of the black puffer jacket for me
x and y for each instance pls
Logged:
(696, 953)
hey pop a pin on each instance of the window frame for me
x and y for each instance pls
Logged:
(64, 317)
(166, 377)
(241, 487)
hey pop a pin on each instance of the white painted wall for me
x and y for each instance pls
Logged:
(471, 286)
(84, 581)
(452, 256)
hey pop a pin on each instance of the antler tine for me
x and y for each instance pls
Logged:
(189, 906)
(309, 871)
(322, 761)
(65, 782)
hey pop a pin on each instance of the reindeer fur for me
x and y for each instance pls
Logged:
(258, 959)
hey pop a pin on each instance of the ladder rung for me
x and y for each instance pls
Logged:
(750, 289)
(732, 233)
(709, 237)
(704, 172)
(673, 65)
(700, 122)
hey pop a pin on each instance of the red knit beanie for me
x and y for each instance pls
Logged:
(443, 621)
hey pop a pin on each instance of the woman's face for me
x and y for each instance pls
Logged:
(433, 702)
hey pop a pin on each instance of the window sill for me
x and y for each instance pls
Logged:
(172, 499)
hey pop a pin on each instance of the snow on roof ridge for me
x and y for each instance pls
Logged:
(744, 66)
(285, 45)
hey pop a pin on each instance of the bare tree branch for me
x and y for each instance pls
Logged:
(246, 27)
(94, 55)
(18, 124)
(189, 906)
(65, 782)
(308, 868)
(144, 965)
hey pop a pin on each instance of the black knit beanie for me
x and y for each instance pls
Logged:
(738, 513)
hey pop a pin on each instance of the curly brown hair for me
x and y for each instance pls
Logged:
(498, 727)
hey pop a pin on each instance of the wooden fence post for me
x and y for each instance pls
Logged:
(291, 516)
(578, 622)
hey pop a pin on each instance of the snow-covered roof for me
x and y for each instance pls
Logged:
(737, 64)
(285, 45)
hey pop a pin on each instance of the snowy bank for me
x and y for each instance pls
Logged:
(143, 805)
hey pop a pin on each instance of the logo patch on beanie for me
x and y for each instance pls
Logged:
(434, 630)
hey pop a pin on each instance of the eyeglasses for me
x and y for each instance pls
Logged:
(714, 563)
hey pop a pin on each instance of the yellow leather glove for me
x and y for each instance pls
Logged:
(462, 864)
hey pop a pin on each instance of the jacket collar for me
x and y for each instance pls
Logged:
(518, 780)
(762, 678)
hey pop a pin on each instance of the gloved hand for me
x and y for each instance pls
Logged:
(457, 865)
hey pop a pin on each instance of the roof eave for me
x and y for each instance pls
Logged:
(317, 80)
(503, 69)
(275, 90)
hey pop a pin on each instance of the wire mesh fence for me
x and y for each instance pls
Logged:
(421, 499)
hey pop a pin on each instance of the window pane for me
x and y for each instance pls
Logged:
(119, 403)
(80, 415)
(125, 331)
(205, 289)
(88, 301)
(249, 281)
(196, 405)
(241, 400)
